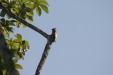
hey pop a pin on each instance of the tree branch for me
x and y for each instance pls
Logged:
(24, 22)
(43, 59)
(6, 55)
(46, 51)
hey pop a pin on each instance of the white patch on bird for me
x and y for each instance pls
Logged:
(56, 35)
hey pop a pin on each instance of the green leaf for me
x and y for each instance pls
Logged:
(30, 5)
(12, 2)
(30, 18)
(23, 25)
(23, 1)
(5, 32)
(25, 45)
(5, 72)
(2, 13)
(23, 6)
(18, 66)
(16, 9)
(20, 55)
(15, 60)
(44, 7)
(18, 73)
(18, 36)
(44, 2)
(38, 10)
(9, 22)
(16, 41)
(27, 9)
(18, 24)
(23, 42)
(30, 13)
(6, 4)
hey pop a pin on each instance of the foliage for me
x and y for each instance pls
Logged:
(25, 10)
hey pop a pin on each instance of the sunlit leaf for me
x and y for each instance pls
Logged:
(38, 10)
(18, 66)
(30, 13)
(15, 60)
(44, 7)
(44, 2)
(23, 25)
(30, 5)
(18, 36)
(5, 4)
(23, 1)
(5, 72)
(18, 24)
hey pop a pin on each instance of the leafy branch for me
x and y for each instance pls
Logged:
(50, 38)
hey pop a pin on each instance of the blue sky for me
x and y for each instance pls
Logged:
(85, 41)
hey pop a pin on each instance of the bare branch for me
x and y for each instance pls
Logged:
(46, 51)
(43, 59)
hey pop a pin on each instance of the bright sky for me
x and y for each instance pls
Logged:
(85, 41)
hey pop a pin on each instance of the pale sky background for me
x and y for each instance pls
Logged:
(85, 41)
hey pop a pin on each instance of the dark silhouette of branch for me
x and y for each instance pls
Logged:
(50, 38)
(6, 55)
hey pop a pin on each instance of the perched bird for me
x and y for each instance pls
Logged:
(54, 34)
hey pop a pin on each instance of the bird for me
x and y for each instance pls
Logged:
(54, 34)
